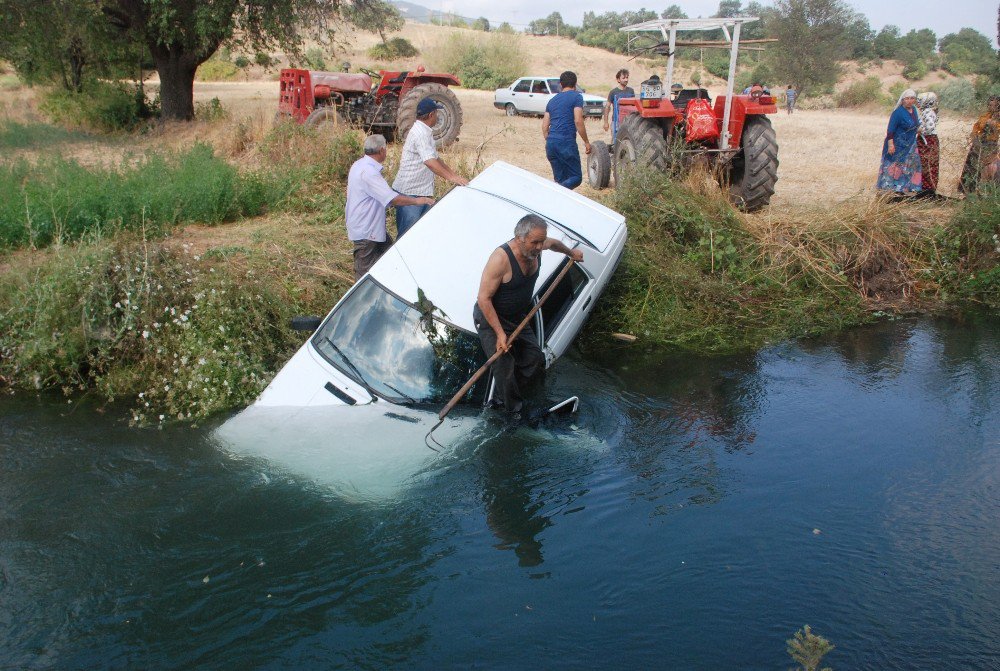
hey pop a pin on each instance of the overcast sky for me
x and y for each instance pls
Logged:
(943, 17)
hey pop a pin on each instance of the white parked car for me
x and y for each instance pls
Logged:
(358, 397)
(530, 95)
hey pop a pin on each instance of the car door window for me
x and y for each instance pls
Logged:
(558, 304)
(554, 85)
(539, 87)
(523, 86)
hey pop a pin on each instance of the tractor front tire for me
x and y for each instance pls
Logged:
(325, 118)
(449, 121)
(640, 142)
(754, 172)
(599, 165)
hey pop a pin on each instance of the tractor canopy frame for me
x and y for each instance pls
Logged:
(667, 28)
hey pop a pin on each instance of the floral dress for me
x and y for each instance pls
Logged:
(900, 171)
(928, 148)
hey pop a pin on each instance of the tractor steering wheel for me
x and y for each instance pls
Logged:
(370, 73)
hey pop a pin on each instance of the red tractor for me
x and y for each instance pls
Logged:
(390, 108)
(666, 125)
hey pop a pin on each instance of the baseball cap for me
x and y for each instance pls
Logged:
(428, 105)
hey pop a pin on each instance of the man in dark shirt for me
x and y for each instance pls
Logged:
(562, 121)
(623, 90)
(504, 300)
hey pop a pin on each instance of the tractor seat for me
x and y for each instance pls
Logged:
(687, 95)
(400, 79)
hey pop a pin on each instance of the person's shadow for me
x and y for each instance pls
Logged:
(512, 513)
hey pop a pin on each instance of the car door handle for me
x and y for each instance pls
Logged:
(586, 303)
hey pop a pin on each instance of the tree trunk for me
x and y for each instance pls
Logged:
(176, 69)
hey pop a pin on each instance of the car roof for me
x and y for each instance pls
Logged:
(443, 255)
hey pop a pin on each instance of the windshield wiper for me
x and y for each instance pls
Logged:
(361, 378)
(401, 393)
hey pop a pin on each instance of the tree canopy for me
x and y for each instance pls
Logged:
(176, 35)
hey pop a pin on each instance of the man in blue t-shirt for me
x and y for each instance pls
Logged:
(562, 121)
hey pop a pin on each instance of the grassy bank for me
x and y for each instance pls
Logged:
(186, 320)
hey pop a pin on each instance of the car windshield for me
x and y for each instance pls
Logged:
(399, 351)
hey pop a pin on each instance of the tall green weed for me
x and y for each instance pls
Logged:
(60, 200)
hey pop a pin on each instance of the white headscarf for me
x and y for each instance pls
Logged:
(927, 100)
(908, 93)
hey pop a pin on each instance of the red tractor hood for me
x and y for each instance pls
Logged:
(343, 82)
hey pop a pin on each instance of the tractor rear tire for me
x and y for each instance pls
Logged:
(325, 118)
(640, 142)
(599, 165)
(754, 172)
(449, 121)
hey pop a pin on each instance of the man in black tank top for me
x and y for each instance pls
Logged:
(504, 300)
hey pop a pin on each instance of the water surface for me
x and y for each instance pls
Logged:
(694, 515)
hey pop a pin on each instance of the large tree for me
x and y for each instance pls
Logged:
(182, 34)
(812, 37)
(62, 41)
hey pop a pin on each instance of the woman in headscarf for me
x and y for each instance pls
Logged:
(927, 144)
(900, 169)
(982, 159)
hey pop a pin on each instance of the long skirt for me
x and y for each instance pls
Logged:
(900, 172)
(930, 155)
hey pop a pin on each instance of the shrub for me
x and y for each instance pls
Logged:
(967, 250)
(182, 337)
(864, 92)
(958, 95)
(397, 47)
(211, 110)
(242, 62)
(917, 69)
(101, 106)
(263, 59)
(480, 61)
(314, 59)
(215, 70)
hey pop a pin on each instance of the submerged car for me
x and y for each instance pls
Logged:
(404, 333)
(530, 95)
(351, 406)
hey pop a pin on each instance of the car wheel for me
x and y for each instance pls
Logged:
(510, 109)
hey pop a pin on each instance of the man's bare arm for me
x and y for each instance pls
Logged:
(580, 128)
(546, 120)
(493, 274)
(441, 169)
(558, 246)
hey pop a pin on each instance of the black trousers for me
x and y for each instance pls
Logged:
(519, 366)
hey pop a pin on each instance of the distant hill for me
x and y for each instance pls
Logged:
(421, 14)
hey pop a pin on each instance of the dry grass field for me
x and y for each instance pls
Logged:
(826, 156)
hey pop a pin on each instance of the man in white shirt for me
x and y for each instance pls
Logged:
(368, 195)
(418, 165)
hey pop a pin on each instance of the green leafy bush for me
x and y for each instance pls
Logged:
(182, 337)
(210, 110)
(958, 95)
(59, 200)
(315, 59)
(242, 62)
(397, 47)
(101, 106)
(967, 250)
(866, 91)
(480, 61)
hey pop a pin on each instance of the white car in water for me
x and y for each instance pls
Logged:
(365, 388)
(530, 95)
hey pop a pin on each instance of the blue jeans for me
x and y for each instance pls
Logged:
(407, 215)
(565, 160)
